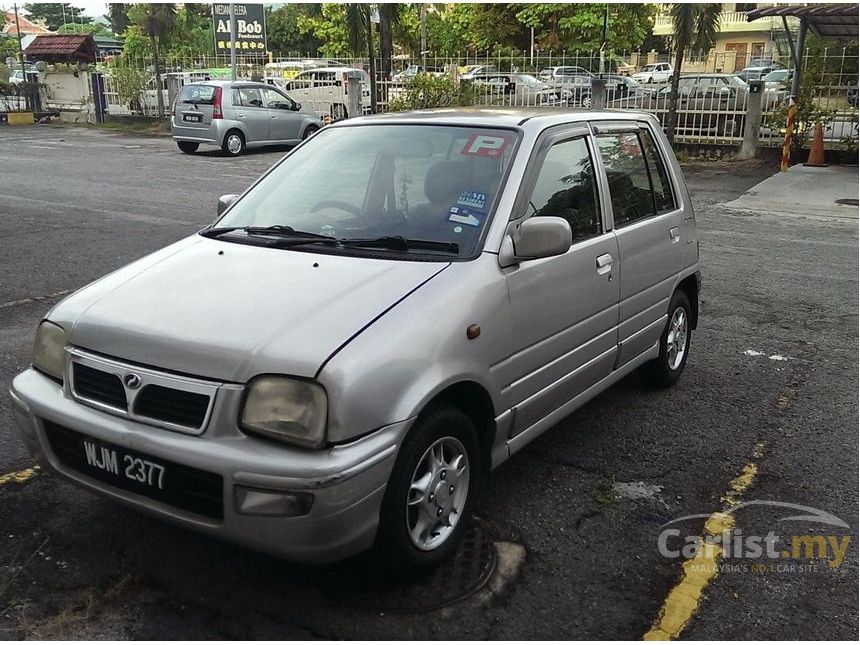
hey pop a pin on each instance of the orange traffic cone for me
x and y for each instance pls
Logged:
(816, 153)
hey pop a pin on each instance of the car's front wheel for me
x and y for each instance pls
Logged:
(188, 147)
(667, 368)
(430, 493)
(309, 131)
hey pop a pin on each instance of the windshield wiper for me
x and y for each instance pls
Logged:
(400, 243)
(286, 233)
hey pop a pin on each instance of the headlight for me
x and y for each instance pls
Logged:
(49, 351)
(287, 409)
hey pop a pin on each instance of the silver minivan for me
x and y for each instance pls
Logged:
(234, 115)
(394, 309)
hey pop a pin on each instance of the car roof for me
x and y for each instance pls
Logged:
(498, 117)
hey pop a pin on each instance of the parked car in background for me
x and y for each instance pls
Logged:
(326, 90)
(340, 360)
(471, 71)
(707, 104)
(617, 87)
(654, 73)
(521, 89)
(411, 71)
(563, 75)
(777, 86)
(234, 115)
(758, 69)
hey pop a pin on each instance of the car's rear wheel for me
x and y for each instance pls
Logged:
(666, 369)
(188, 147)
(431, 492)
(309, 131)
(586, 101)
(234, 143)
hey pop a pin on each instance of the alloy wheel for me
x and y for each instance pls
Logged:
(437, 493)
(676, 339)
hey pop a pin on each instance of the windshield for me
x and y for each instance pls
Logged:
(776, 76)
(431, 183)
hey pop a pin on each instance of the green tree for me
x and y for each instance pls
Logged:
(285, 32)
(158, 22)
(56, 14)
(95, 30)
(118, 17)
(695, 27)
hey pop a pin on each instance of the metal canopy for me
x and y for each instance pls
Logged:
(824, 19)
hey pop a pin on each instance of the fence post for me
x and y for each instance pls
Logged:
(752, 123)
(353, 94)
(598, 93)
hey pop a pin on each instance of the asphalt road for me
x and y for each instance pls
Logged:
(586, 501)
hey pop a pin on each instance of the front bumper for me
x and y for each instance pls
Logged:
(347, 482)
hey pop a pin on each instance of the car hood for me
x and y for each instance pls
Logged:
(230, 311)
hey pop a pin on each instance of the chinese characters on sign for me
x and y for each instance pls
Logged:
(250, 28)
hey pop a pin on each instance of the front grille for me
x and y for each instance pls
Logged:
(173, 406)
(99, 386)
(189, 489)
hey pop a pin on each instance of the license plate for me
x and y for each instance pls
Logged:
(113, 461)
(192, 118)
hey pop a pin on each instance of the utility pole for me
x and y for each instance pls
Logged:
(232, 42)
(532, 59)
(20, 49)
(603, 42)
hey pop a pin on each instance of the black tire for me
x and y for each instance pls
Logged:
(188, 147)
(229, 145)
(663, 371)
(309, 131)
(338, 112)
(395, 548)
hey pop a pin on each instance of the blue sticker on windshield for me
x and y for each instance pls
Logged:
(470, 209)
(474, 200)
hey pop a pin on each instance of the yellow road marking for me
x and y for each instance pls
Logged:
(20, 476)
(683, 600)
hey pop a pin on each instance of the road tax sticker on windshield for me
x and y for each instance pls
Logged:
(486, 145)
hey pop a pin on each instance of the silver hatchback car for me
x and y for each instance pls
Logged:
(334, 365)
(236, 115)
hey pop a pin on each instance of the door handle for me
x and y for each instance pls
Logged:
(273, 116)
(604, 263)
(674, 234)
(241, 115)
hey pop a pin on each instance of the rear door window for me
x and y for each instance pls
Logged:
(250, 97)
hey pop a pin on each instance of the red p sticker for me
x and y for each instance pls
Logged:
(486, 145)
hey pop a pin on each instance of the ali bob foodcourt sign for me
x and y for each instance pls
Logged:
(250, 28)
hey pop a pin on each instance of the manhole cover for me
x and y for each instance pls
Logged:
(465, 573)
(848, 202)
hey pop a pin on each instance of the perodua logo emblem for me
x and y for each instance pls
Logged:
(132, 381)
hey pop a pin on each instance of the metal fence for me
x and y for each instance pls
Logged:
(709, 113)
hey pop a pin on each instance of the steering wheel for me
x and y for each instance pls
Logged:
(340, 205)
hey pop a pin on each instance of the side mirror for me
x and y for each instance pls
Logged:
(225, 201)
(537, 237)
(297, 106)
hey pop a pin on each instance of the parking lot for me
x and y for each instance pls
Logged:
(769, 394)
